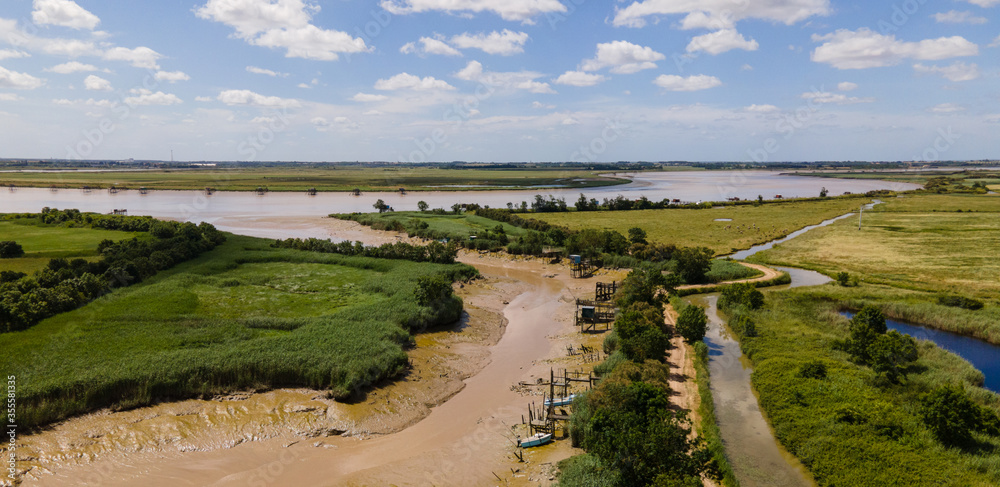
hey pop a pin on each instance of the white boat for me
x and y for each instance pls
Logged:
(560, 401)
(535, 440)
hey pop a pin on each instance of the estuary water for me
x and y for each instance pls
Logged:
(197, 206)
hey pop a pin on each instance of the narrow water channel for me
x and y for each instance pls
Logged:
(754, 453)
(982, 355)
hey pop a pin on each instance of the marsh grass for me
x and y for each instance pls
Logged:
(852, 428)
(43, 243)
(244, 316)
(750, 225)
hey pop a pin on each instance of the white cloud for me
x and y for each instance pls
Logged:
(406, 81)
(10, 97)
(956, 17)
(282, 24)
(18, 81)
(847, 86)
(504, 43)
(834, 98)
(623, 58)
(520, 80)
(946, 108)
(996, 42)
(72, 67)
(958, 71)
(249, 98)
(721, 41)
(984, 3)
(204, 99)
(579, 78)
(429, 45)
(140, 57)
(720, 14)
(96, 83)
(691, 83)
(515, 10)
(570, 121)
(65, 47)
(540, 105)
(172, 76)
(746, 67)
(146, 97)
(65, 13)
(266, 72)
(323, 125)
(12, 54)
(304, 86)
(368, 98)
(864, 48)
(762, 108)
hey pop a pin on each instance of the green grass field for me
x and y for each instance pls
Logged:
(462, 225)
(42, 243)
(242, 316)
(329, 178)
(750, 225)
(889, 444)
(928, 242)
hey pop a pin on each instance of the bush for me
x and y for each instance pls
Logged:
(815, 369)
(843, 279)
(10, 250)
(960, 302)
(953, 417)
(693, 263)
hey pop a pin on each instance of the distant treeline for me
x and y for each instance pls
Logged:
(66, 285)
(435, 252)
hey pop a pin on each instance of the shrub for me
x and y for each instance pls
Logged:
(815, 369)
(743, 294)
(10, 250)
(953, 417)
(960, 302)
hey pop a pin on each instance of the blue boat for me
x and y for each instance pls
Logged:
(535, 440)
(560, 401)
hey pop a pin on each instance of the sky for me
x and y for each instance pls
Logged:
(496, 81)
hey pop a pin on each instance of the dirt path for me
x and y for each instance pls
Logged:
(769, 274)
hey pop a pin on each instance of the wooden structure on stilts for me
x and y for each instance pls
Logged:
(143, 190)
(580, 267)
(606, 291)
(261, 191)
(592, 314)
(312, 192)
(122, 212)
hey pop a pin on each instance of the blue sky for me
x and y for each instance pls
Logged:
(518, 80)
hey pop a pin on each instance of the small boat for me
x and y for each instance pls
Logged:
(535, 440)
(560, 401)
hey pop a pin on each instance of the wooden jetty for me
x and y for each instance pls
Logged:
(122, 212)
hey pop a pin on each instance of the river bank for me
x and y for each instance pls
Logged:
(198, 442)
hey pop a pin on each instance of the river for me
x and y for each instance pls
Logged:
(197, 206)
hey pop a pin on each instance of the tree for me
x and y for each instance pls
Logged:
(692, 323)
(693, 263)
(641, 285)
(741, 294)
(823, 192)
(760, 199)
(866, 327)
(381, 206)
(10, 250)
(456, 208)
(637, 235)
(890, 353)
(641, 334)
(953, 417)
(422, 206)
